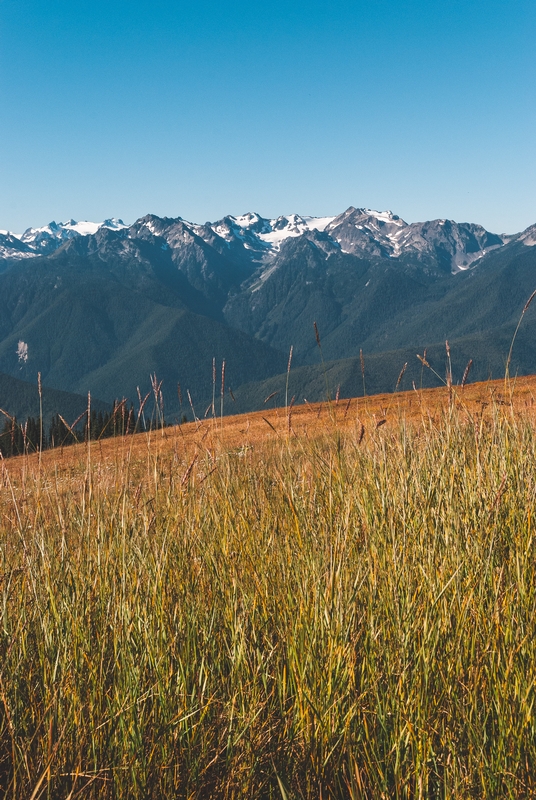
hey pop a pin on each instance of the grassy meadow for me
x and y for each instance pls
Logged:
(337, 602)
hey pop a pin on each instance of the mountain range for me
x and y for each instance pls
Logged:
(102, 306)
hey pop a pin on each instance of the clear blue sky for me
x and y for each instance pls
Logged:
(199, 109)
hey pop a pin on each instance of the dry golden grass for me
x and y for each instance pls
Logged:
(215, 435)
(336, 602)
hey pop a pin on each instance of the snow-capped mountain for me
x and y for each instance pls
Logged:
(253, 239)
(450, 245)
(267, 232)
(42, 241)
(11, 247)
(455, 245)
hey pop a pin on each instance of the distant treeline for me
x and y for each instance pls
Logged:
(19, 438)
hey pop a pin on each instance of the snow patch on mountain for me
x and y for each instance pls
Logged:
(44, 240)
(88, 228)
(265, 235)
(12, 248)
(528, 237)
(282, 228)
(151, 226)
(66, 230)
(318, 223)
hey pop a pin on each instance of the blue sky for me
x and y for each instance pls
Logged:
(200, 109)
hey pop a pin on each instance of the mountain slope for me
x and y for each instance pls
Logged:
(378, 303)
(103, 313)
(20, 399)
(487, 352)
(101, 306)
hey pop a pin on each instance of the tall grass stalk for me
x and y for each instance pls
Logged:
(196, 420)
(509, 358)
(222, 395)
(324, 370)
(288, 375)
(40, 391)
(213, 388)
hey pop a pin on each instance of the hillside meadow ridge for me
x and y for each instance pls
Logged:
(334, 600)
